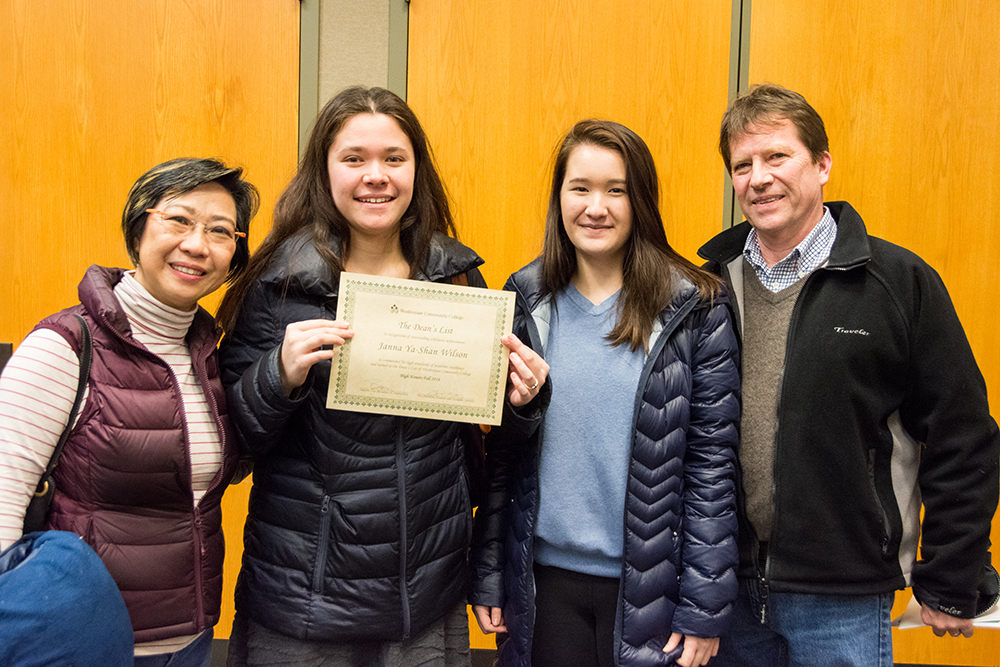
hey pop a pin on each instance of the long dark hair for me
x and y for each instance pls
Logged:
(649, 260)
(307, 204)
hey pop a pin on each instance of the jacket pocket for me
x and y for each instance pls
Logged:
(332, 523)
(886, 526)
(323, 545)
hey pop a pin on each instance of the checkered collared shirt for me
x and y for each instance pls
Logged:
(800, 262)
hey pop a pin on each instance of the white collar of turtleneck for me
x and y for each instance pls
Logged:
(151, 319)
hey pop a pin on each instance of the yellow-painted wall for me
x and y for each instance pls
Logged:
(94, 93)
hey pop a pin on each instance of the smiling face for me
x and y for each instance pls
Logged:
(596, 211)
(178, 268)
(778, 185)
(371, 166)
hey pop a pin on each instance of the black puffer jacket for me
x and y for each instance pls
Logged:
(680, 556)
(359, 524)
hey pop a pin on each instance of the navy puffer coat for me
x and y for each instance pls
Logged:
(678, 571)
(359, 524)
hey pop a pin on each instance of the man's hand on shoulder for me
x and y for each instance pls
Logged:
(942, 622)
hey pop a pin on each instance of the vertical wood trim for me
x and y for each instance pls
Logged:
(308, 70)
(399, 27)
(739, 77)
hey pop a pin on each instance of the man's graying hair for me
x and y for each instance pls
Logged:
(769, 104)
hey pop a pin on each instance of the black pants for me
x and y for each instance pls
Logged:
(574, 619)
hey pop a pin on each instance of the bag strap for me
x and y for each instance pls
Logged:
(86, 356)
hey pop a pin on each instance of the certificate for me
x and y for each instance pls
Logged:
(421, 349)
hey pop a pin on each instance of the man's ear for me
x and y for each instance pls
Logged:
(825, 163)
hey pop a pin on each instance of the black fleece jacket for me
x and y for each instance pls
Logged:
(881, 406)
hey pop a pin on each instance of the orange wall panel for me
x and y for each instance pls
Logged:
(497, 84)
(95, 93)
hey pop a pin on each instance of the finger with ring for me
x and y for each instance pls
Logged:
(534, 384)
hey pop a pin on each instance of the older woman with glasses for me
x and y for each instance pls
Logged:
(150, 452)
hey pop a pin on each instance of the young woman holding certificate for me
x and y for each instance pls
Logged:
(359, 524)
(608, 537)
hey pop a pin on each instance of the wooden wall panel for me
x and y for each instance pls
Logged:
(95, 92)
(497, 84)
(911, 100)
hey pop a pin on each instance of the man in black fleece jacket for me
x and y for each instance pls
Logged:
(862, 402)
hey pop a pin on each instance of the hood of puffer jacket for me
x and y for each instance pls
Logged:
(300, 266)
(528, 283)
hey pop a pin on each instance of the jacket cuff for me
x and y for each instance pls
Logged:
(487, 591)
(525, 419)
(957, 608)
(269, 383)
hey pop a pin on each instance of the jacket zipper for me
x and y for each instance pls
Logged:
(323, 546)
(217, 418)
(539, 346)
(199, 545)
(403, 527)
(764, 573)
(199, 555)
(669, 327)
(886, 529)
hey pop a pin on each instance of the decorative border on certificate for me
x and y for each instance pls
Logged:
(421, 349)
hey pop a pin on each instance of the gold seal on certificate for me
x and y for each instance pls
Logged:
(421, 349)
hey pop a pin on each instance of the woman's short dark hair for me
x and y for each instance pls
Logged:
(649, 260)
(178, 176)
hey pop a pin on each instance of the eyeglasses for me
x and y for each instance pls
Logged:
(217, 233)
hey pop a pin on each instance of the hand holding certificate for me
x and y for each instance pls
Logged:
(421, 349)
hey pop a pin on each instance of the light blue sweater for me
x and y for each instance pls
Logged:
(586, 440)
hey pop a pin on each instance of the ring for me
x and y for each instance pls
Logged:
(534, 386)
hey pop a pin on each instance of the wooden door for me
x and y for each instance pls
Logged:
(95, 92)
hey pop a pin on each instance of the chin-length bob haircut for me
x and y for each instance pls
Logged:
(650, 262)
(182, 175)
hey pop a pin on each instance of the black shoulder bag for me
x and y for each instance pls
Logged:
(37, 515)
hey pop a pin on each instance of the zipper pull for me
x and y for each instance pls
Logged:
(197, 527)
(763, 601)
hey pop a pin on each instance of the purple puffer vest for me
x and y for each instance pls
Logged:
(124, 479)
